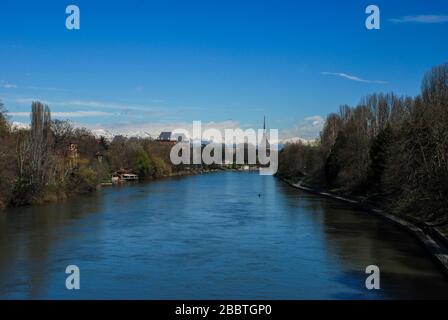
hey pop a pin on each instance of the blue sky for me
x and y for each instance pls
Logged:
(150, 65)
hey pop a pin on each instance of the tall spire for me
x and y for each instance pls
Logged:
(265, 135)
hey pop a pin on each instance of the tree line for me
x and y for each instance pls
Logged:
(388, 149)
(37, 164)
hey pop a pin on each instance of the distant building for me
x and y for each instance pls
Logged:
(167, 137)
(123, 175)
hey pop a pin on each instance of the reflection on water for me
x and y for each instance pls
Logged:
(214, 236)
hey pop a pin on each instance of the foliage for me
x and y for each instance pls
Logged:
(142, 163)
(390, 149)
(38, 165)
(85, 179)
(161, 168)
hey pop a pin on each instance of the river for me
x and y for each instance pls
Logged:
(213, 236)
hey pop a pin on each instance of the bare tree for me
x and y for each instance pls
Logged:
(39, 145)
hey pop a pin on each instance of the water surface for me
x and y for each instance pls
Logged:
(212, 236)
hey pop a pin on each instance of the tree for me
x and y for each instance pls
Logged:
(33, 156)
(4, 127)
(40, 143)
(7, 172)
(63, 133)
(332, 127)
(378, 159)
(142, 163)
(388, 147)
(161, 168)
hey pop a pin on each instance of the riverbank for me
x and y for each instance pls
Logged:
(52, 195)
(434, 241)
(58, 195)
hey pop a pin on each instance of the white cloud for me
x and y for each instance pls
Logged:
(421, 19)
(73, 114)
(31, 100)
(7, 85)
(306, 130)
(45, 88)
(351, 77)
(316, 120)
(93, 104)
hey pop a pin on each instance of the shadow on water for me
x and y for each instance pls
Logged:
(213, 236)
(29, 234)
(357, 239)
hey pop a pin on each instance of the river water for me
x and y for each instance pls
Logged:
(213, 236)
